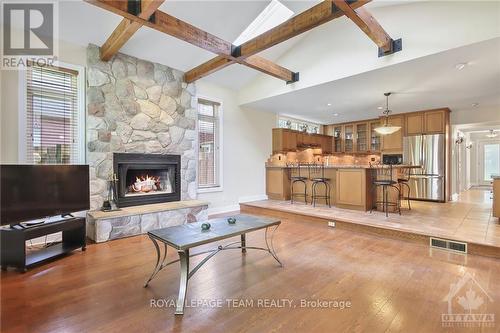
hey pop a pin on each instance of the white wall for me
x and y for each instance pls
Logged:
(9, 112)
(247, 143)
(426, 27)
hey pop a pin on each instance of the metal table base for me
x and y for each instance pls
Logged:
(184, 256)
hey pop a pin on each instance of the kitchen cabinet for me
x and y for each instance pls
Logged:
(375, 139)
(287, 140)
(284, 140)
(414, 124)
(349, 138)
(426, 122)
(393, 142)
(496, 197)
(351, 186)
(278, 183)
(362, 137)
(338, 142)
(435, 122)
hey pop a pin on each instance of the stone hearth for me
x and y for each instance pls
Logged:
(135, 220)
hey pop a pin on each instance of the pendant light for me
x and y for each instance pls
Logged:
(492, 134)
(386, 128)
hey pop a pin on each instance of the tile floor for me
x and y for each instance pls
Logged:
(467, 219)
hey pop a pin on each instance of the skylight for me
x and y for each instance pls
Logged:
(274, 14)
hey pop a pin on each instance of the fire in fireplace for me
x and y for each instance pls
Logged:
(149, 182)
(147, 178)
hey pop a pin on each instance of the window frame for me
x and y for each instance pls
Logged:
(220, 148)
(81, 109)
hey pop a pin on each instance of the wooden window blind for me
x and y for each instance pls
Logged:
(51, 115)
(208, 132)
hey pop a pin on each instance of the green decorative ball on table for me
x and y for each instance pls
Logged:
(231, 220)
(205, 226)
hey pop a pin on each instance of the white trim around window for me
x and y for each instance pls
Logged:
(220, 187)
(81, 79)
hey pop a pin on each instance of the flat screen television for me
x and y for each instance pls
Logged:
(31, 192)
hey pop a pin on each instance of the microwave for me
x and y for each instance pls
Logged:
(392, 159)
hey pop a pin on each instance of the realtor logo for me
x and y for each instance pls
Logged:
(28, 33)
(467, 305)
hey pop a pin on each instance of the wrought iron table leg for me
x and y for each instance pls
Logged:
(270, 244)
(183, 281)
(159, 263)
(243, 243)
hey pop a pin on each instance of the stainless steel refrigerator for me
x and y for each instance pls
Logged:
(428, 151)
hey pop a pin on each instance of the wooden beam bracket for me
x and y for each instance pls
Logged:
(295, 78)
(134, 7)
(396, 46)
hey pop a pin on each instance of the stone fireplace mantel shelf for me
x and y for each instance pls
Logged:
(146, 209)
(136, 220)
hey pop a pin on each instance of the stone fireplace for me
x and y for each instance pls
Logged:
(141, 125)
(147, 178)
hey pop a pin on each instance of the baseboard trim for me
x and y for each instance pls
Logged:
(235, 207)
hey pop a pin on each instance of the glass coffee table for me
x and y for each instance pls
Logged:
(186, 236)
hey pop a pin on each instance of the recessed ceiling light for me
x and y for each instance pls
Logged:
(460, 65)
(329, 104)
(475, 105)
(380, 107)
(335, 114)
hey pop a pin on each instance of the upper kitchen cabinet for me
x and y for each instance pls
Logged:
(287, 140)
(338, 142)
(435, 121)
(362, 137)
(349, 138)
(375, 139)
(394, 142)
(426, 122)
(414, 123)
(284, 140)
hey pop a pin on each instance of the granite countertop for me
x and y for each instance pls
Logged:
(354, 166)
(495, 177)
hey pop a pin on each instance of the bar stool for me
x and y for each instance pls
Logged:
(403, 179)
(317, 172)
(382, 176)
(297, 176)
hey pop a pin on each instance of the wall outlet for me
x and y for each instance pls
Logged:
(331, 224)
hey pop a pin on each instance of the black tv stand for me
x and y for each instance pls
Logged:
(13, 242)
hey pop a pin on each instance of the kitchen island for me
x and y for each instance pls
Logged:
(350, 185)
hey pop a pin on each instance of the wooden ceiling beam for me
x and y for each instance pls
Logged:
(256, 62)
(366, 22)
(127, 28)
(172, 26)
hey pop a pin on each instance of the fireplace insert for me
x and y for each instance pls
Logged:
(147, 178)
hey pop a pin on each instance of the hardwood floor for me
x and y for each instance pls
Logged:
(469, 219)
(393, 286)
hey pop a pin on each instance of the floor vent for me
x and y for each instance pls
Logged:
(448, 245)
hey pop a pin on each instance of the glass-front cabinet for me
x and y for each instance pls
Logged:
(337, 139)
(374, 137)
(349, 138)
(362, 137)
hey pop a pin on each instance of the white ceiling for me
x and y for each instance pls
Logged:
(425, 83)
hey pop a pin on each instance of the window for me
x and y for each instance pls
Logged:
(54, 132)
(209, 133)
(298, 125)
